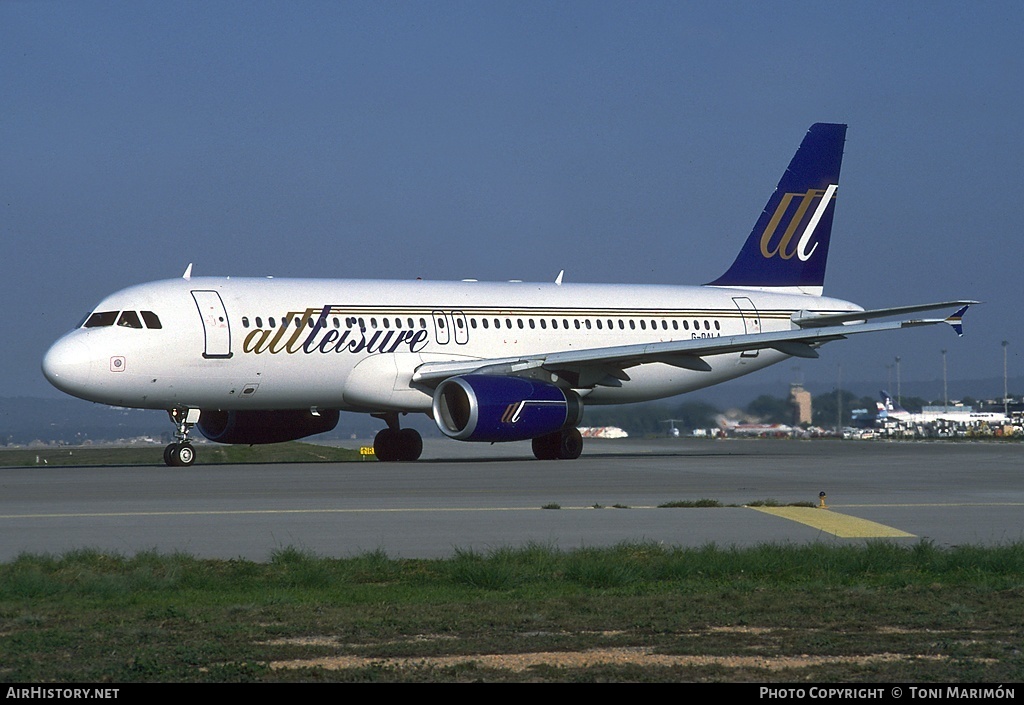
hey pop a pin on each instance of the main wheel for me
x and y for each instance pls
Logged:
(410, 444)
(546, 447)
(570, 444)
(385, 445)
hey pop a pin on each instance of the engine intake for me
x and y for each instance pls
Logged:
(493, 408)
(255, 427)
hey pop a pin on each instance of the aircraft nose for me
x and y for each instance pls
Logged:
(68, 365)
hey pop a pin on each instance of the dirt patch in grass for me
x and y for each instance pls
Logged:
(636, 656)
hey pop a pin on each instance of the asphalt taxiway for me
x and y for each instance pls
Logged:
(468, 496)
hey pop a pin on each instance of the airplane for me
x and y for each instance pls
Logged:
(265, 360)
(890, 409)
(759, 430)
(672, 431)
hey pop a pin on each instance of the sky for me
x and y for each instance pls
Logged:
(627, 142)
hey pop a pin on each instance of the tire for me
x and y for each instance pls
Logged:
(546, 447)
(570, 444)
(385, 446)
(186, 455)
(410, 444)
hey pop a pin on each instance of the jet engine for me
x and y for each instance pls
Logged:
(252, 427)
(493, 408)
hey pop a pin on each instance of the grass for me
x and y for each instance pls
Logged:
(876, 612)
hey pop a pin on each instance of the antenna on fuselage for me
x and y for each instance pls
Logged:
(188, 272)
(558, 279)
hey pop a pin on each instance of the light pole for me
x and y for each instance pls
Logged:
(899, 385)
(1006, 403)
(839, 402)
(945, 389)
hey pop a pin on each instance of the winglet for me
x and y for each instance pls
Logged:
(188, 272)
(956, 320)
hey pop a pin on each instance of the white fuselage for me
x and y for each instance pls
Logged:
(237, 344)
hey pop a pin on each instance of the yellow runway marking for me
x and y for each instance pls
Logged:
(840, 525)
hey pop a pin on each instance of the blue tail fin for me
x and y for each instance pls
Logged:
(788, 246)
(889, 405)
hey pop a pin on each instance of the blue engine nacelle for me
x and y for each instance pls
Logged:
(492, 408)
(254, 427)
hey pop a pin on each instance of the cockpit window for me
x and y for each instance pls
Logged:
(129, 319)
(151, 319)
(100, 319)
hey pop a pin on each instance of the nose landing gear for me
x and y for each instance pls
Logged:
(181, 453)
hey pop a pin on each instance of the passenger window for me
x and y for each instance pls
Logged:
(101, 319)
(129, 319)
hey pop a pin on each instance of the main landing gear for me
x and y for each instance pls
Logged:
(395, 443)
(181, 453)
(566, 444)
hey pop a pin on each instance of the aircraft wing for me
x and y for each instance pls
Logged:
(607, 366)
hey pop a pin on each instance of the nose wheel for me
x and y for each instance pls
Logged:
(179, 455)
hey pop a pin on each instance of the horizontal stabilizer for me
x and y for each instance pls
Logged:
(807, 319)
